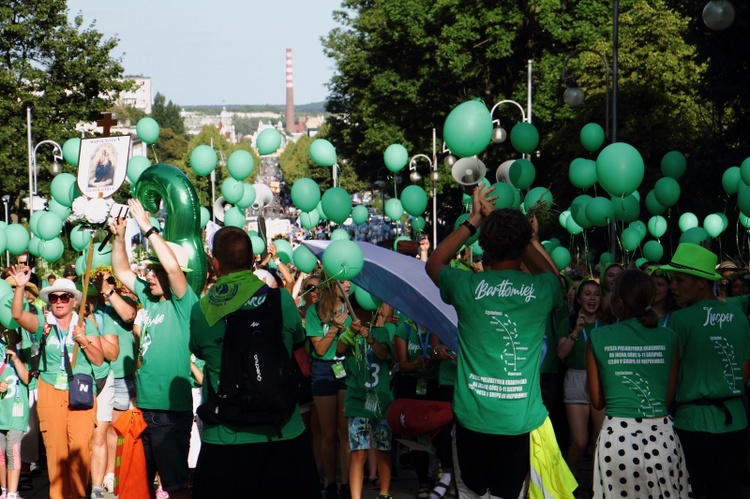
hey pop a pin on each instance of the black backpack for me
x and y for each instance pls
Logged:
(259, 382)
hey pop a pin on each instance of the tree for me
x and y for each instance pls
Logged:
(167, 115)
(63, 71)
(402, 65)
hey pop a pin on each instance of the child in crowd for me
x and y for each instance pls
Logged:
(14, 415)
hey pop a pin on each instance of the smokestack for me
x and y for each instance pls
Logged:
(289, 93)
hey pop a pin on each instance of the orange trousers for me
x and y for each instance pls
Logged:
(67, 437)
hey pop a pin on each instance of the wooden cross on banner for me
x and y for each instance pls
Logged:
(106, 123)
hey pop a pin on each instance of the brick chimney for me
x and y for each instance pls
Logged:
(289, 93)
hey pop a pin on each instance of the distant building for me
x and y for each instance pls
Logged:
(140, 98)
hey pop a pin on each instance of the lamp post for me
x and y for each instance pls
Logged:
(574, 95)
(55, 168)
(414, 176)
(6, 200)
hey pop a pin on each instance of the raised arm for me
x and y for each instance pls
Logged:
(120, 263)
(25, 319)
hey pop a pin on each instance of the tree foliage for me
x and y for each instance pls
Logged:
(167, 114)
(402, 65)
(62, 70)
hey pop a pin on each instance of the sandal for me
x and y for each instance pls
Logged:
(441, 487)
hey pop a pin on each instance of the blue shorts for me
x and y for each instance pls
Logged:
(166, 442)
(362, 431)
(324, 382)
(124, 393)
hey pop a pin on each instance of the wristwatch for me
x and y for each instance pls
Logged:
(470, 226)
(111, 292)
(151, 231)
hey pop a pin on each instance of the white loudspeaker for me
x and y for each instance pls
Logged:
(263, 196)
(468, 171)
(220, 207)
(501, 175)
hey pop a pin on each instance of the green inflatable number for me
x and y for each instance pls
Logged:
(182, 226)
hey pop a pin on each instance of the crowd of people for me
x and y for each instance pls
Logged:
(650, 365)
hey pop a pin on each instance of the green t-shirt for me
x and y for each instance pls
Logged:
(558, 325)
(14, 404)
(368, 389)
(742, 302)
(714, 341)
(502, 317)
(447, 373)
(104, 325)
(315, 328)
(205, 343)
(576, 359)
(31, 343)
(634, 363)
(417, 345)
(163, 380)
(124, 364)
(51, 363)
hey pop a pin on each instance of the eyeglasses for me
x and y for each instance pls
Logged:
(310, 288)
(22, 262)
(64, 298)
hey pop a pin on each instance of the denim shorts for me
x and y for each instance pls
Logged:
(124, 393)
(166, 442)
(365, 433)
(324, 382)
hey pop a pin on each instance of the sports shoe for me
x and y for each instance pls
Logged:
(97, 494)
(109, 483)
(385, 496)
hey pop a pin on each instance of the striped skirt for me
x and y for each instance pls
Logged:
(639, 458)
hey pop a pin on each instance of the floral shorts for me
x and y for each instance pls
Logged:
(362, 431)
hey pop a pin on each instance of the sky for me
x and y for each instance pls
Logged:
(219, 51)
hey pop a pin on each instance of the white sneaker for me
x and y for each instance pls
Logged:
(109, 483)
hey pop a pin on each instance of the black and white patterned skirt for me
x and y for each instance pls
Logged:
(639, 458)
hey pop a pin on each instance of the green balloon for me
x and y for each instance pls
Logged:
(304, 259)
(395, 157)
(259, 246)
(34, 246)
(360, 214)
(18, 238)
(524, 137)
(60, 188)
(343, 260)
(418, 224)
(561, 257)
(582, 173)
(687, 221)
(366, 300)
(309, 220)
(592, 136)
(697, 235)
(627, 209)
(713, 224)
(234, 217)
(393, 209)
(730, 178)
(147, 130)
(630, 238)
(240, 164)
(578, 211)
(606, 258)
(268, 141)
(339, 235)
(506, 195)
(414, 200)
(653, 251)
(673, 165)
(6, 318)
(3, 240)
(283, 250)
(320, 211)
(51, 250)
(537, 195)
(600, 211)
(205, 216)
(620, 169)
(232, 190)
(49, 226)
(306, 194)
(248, 196)
(657, 226)
(667, 191)
(71, 148)
(572, 227)
(641, 228)
(522, 173)
(337, 204)
(34, 221)
(745, 171)
(652, 205)
(745, 221)
(80, 265)
(136, 166)
(203, 160)
(79, 238)
(61, 211)
(322, 152)
(398, 240)
(468, 128)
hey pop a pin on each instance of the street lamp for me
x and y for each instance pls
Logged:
(6, 200)
(414, 176)
(55, 168)
(718, 14)
(574, 95)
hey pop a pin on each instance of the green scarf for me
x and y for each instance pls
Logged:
(230, 292)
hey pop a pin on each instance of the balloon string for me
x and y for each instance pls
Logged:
(153, 150)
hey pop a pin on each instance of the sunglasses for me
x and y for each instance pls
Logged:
(111, 280)
(22, 262)
(64, 298)
(310, 288)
